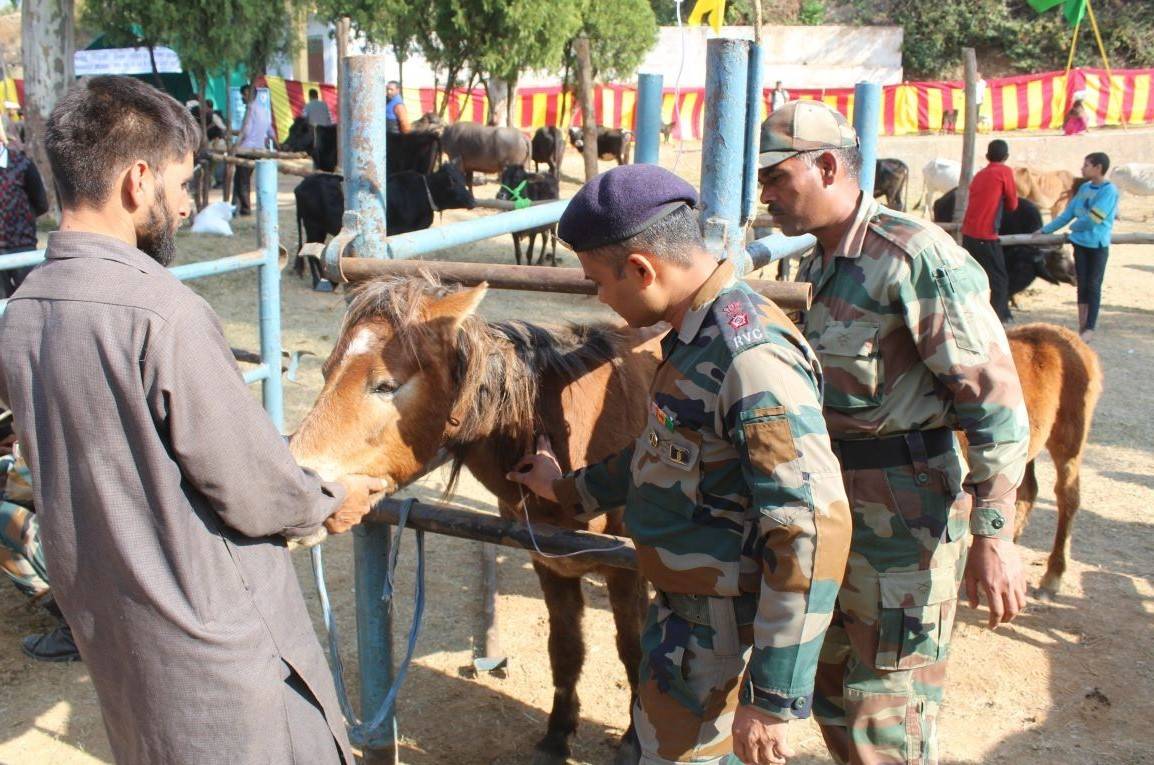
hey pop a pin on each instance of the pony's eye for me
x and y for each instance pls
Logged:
(386, 387)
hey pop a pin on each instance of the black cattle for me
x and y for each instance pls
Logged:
(518, 183)
(1024, 262)
(890, 179)
(300, 137)
(611, 143)
(413, 198)
(418, 152)
(548, 146)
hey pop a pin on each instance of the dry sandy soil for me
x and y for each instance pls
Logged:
(1069, 683)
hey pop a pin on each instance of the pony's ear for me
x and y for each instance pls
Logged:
(456, 306)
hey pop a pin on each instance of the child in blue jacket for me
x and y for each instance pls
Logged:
(1092, 211)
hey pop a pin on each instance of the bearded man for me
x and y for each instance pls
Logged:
(165, 493)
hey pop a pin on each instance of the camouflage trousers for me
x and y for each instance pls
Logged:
(689, 684)
(20, 555)
(881, 675)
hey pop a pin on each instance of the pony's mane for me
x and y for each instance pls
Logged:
(499, 368)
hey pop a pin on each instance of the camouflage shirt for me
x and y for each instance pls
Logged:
(732, 487)
(908, 341)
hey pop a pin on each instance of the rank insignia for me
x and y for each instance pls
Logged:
(737, 317)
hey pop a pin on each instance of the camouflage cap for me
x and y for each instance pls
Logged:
(802, 126)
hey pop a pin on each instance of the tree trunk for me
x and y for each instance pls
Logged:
(510, 102)
(450, 81)
(343, 24)
(498, 101)
(204, 165)
(585, 91)
(562, 110)
(48, 40)
(969, 139)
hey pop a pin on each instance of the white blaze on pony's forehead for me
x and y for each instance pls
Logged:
(363, 342)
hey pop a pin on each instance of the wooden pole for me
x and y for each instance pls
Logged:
(588, 117)
(969, 138)
(1073, 46)
(1102, 50)
(790, 296)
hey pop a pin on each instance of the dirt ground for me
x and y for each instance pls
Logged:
(1070, 683)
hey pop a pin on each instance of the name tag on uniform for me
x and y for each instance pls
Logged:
(679, 454)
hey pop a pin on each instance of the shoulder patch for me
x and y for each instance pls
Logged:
(740, 320)
(914, 237)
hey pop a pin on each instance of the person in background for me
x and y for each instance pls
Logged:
(22, 557)
(992, 192)
(396, 115)
(778, 97)
(256, 133)
(22, 200)
(316, 111)
(1091, 215)
(1076, 120)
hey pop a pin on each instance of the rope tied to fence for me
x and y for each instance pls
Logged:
(517, 195)
(366, 729)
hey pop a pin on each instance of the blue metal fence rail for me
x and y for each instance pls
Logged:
(266, 260)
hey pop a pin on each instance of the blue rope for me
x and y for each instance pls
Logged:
(367, 730)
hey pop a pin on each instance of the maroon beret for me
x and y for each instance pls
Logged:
(621, 203)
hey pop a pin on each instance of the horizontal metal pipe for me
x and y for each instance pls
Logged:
(1131, 237)
(508, 204)
(21, 259)
(776, 247)
(475, 230)
(240, 262)
(256, 374)
(571, 281)
(482, 527)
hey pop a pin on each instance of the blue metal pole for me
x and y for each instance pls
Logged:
(648, 119)
(456, 234)
(363, 139)
(753, 102)
(374, 638)
(21, 259)
(867, 108)
(776, 247)
(268, 234)
(723, 146)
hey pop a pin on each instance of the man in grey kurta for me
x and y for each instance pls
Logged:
(166, 493)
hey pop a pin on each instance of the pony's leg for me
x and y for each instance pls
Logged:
(566, 607)
(1027, 494)
(628, 596)
(1068, 492)
(517, 247)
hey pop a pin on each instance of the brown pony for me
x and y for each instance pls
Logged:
(1061, 381)
(415, 372)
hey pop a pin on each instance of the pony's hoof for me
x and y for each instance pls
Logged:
(550, 752)
(628, 751)
(1049, 588)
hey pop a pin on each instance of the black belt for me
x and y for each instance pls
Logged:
(893, 451)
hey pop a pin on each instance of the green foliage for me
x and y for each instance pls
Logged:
(811, 13)
(620, 33)
(1010, 35)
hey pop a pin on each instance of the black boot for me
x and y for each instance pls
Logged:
(56, 645)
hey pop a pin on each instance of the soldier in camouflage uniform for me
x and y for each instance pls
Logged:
(22, 560)
(731, 492)
(911, 351)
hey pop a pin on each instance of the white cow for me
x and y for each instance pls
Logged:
(938, 177)
(1135, 178)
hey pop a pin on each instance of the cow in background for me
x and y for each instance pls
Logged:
(549, 147)
(938, 177)
(478, 148)
(412, 200)
(891, 177)
(1048, 189)
(612, 143)
(417, 151)
(517, 183)
(1024, 262)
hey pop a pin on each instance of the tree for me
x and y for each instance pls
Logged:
(47, 32)
(130, 23)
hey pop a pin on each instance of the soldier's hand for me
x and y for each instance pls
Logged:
(994, 569)
(760, 738)
(538, 471)
(361, 493)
